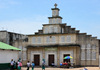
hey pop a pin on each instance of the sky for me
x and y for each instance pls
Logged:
(27, 16)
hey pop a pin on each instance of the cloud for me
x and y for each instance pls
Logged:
(7, 3)
(24, 26)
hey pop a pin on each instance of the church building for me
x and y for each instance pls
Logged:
(57, 40)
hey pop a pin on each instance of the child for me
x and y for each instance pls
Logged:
(28, 65)
(33, 65)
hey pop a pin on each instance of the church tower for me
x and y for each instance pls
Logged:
(55, 19)
(55, 22)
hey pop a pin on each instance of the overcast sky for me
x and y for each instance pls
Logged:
(27, 16)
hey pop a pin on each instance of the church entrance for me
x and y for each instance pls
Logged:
(66, 60)
(51, 59)
(37, 60)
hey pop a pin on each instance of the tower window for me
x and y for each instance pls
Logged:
(45, 30)
(50, 29)
(53, 39)
(55, 29)
(38, 40)
(68, 39)
(34, 40)
(62, 38)
(54, 12)
(47, 39)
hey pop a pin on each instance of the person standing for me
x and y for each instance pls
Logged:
(28, 65)
(12, 64)
(33, 65)
(43, 64)
(19, 65)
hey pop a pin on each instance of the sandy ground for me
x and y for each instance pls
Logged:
(89, 68)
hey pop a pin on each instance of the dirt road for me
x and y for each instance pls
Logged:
(89, 68)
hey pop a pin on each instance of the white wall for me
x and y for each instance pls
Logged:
(7, 55)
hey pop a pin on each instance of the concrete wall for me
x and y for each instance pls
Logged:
(86, 40)
(7, 55)
(23, 53)
(3, 36)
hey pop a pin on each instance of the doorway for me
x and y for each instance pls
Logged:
(50, 59)
(37, 60)
(66, 60)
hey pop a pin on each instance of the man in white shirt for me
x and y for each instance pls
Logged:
(28, 65)
(12, 64)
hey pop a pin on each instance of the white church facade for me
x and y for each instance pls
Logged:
(57, 40)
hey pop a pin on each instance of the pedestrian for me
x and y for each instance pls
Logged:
(61, 63)
(12, 64)
(19, 65)
(43, 64)
(15, 67)
(33, 65)
(28, 65)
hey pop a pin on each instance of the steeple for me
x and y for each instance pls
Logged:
(55, 19)
(55, 5)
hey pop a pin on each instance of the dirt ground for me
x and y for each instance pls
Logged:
(89, 68)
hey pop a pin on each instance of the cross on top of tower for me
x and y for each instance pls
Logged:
(55, 5)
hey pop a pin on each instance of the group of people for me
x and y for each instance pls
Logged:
(65, 63)
(33, 64)
(15, 65)
(29, 64)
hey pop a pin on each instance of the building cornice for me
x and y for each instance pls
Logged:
(55, 9)
(50, 34)
(55, 17)
(64, 24)
(56, 45)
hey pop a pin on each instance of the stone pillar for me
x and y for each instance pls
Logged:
(74, 57)
(43, 50)
(28, 55)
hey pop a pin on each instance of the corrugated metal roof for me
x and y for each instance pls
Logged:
(8, 47)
